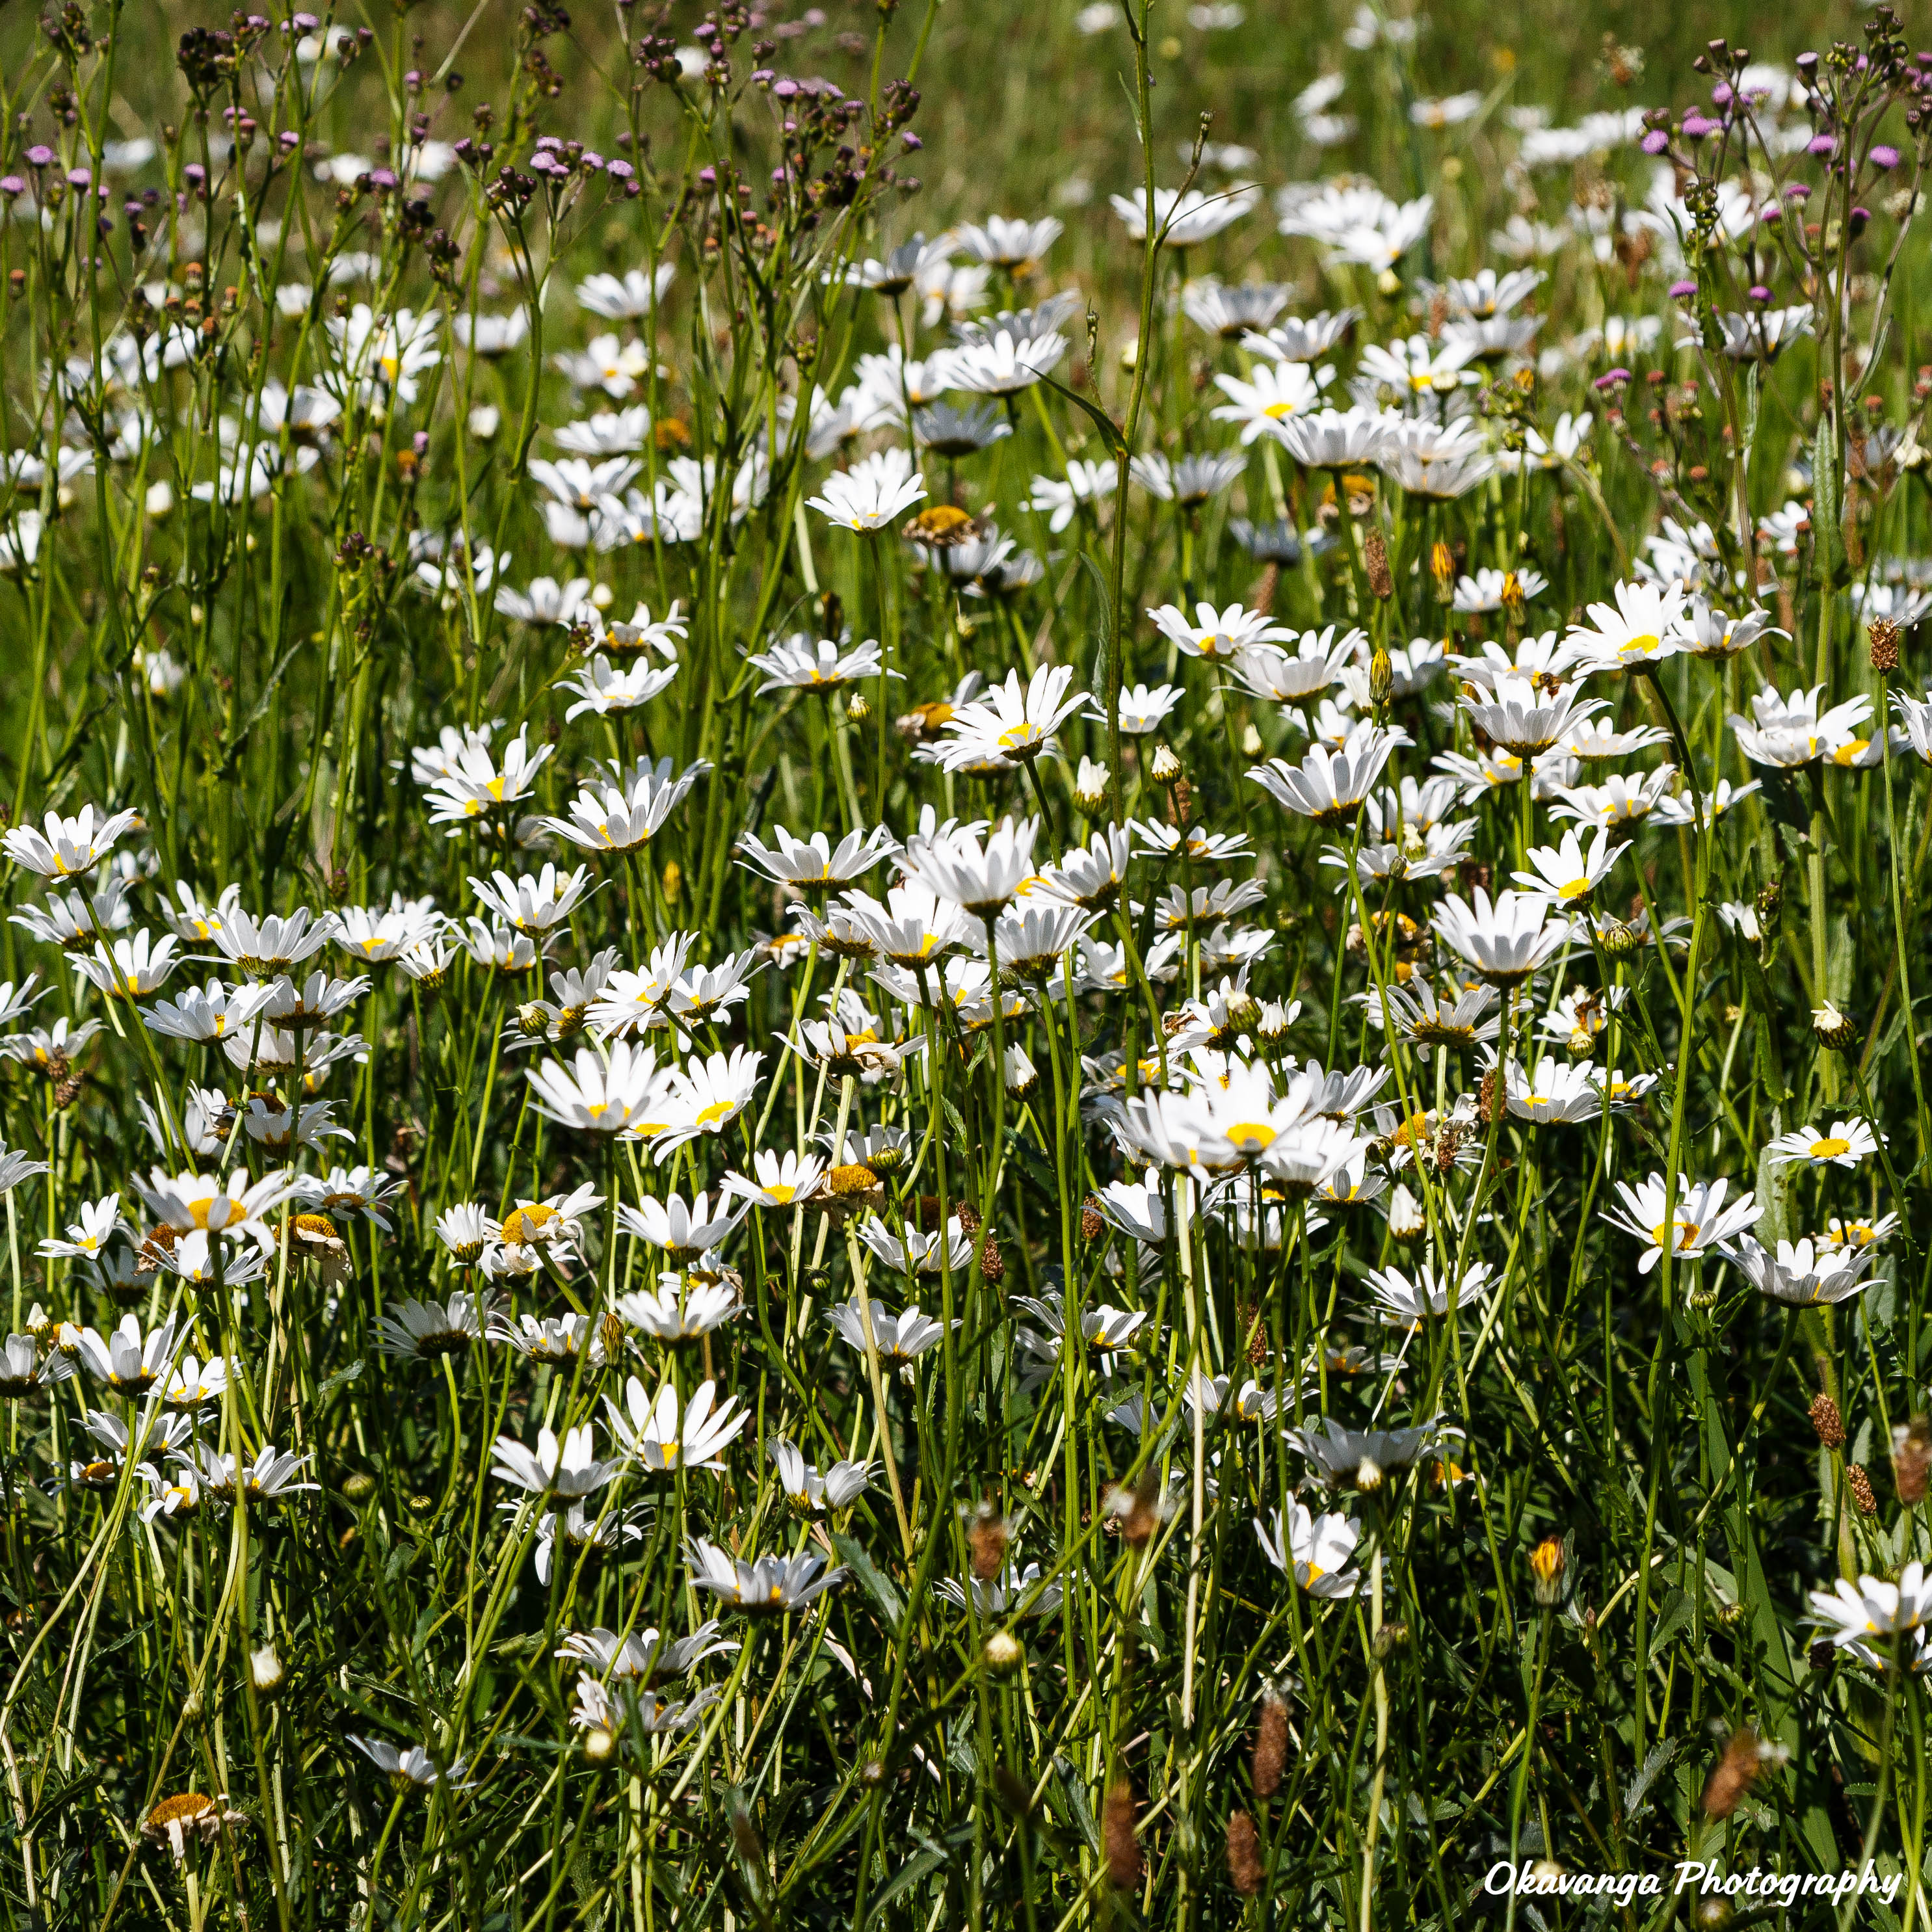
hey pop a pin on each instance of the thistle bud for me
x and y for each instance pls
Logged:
(1827, 1421)
(1547, 1563)
(1831, 1028)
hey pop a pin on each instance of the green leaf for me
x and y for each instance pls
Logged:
(1637, 1793)
(1110, 431)
(872, 1579)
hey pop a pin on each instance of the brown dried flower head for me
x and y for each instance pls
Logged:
(1827, 1421)
(1270, 1747)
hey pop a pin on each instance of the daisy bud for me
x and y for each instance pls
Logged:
(1002, 1653)
(600, 1747)
(1617, 939)
(359, 1487)
(1244, 1855)
(1272, 1023)
(1393, 1636)
(1547, 1563)
(1166, 767)
(1382, 678)
(1912, 1458)
(1022, 1076)
(265, 1671)
(1859, 1483)
(1712, 1915)
(857, 709)
(1271, 1746)
(1089, 785)
(1581, 1044)
(1827, 1421)
(872, 1773)
(532, 1020)
(1369, 1475)
(1251, 743)
(1831, 1028)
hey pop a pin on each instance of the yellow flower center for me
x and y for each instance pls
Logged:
(1278, 410)
(1687, 1233)
(1638, 647)
(1830, 1148)
(522, 1225)
(719, 1110)
(781, 1194)
(1255, 1134)
(1573, 888)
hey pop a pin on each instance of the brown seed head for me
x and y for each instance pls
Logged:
(1859, 1483)
(1376, 564)
(992, 1263)
(1270, 1747)
(1244, 1854)
(1884, 635)
(1092, 1223)
(1262, 601)
(1116, 1834)
(1912, 1458)
(1733, 1773)
(1827, 1421)
(986, 1538)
